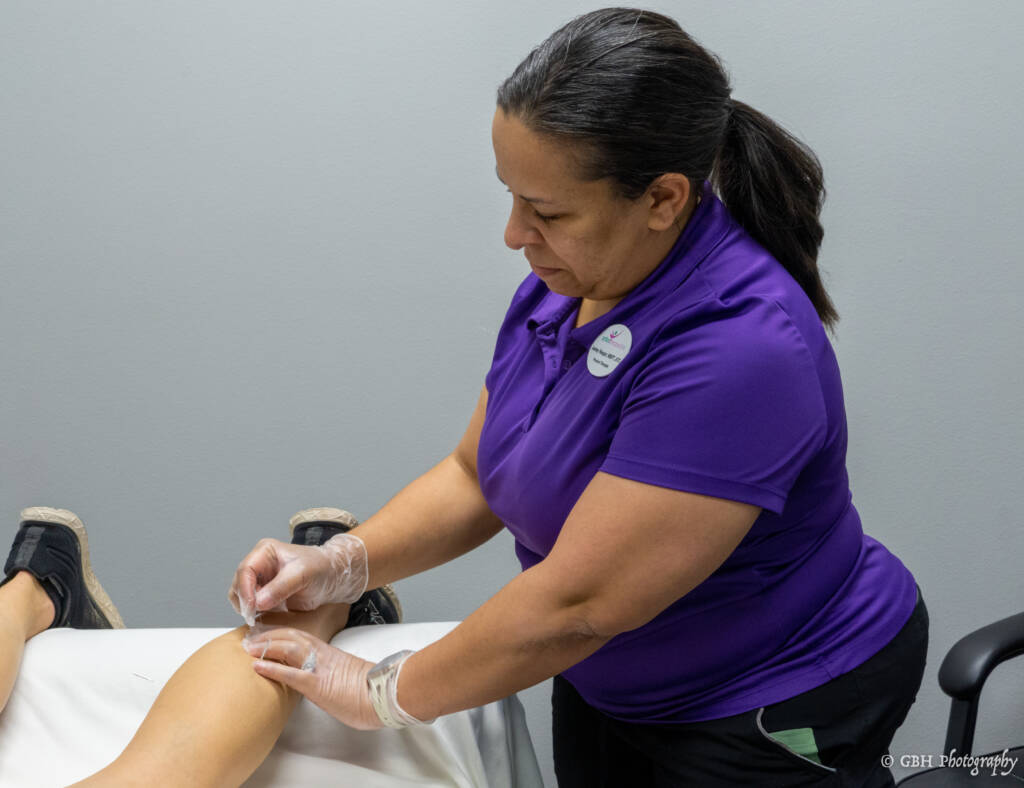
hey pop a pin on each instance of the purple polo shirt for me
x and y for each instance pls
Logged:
(729, 389)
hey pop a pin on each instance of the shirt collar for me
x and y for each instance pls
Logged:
(703, 231)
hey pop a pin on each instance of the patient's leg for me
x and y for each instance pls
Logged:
(216, 719)
(25, 610)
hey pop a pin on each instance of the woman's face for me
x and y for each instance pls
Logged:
(578, 236)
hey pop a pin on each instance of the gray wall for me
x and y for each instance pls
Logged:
(252, 261)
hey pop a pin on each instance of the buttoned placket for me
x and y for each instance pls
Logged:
(551, 337)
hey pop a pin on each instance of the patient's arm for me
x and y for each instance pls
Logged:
(216, 719)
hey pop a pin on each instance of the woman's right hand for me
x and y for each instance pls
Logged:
(278, 575)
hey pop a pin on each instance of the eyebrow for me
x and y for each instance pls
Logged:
(528, 199)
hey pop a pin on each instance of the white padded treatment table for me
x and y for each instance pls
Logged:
(81, 695)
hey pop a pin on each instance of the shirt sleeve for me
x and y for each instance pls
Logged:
(731, 408)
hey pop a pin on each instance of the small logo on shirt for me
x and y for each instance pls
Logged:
(610, 339)
(608, 350)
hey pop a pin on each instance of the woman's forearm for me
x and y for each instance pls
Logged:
(527, 632)
(432, 520)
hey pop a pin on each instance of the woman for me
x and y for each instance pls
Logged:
(662, 430)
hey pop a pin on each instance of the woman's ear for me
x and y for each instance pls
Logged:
(667, 197)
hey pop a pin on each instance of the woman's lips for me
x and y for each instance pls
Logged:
(541, 271)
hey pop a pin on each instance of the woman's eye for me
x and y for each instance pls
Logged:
(547, 218)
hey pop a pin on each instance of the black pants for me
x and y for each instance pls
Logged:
(853, 718)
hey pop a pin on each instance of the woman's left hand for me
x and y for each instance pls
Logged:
(333, 679)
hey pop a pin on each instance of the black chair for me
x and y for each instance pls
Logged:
(961, 676)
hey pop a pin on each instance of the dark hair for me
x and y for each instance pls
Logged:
(637, 97)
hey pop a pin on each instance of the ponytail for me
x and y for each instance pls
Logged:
(772, 184)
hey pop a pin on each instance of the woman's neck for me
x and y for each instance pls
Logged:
(591, 310)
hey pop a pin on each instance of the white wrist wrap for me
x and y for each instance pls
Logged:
(382, 683)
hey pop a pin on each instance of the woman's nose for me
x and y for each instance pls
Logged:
(517, 232)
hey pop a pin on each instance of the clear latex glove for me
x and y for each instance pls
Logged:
(331, 678)
(281, 576)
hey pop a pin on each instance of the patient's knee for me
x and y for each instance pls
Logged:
(325, 622)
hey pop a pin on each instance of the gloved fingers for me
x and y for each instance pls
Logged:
(282, 588)
(331, 678)
(234, 591)
(277, 575)
(289, 646)
(262, 563)
(300, 680)
(233, 597)
(242, 594)
(256, 632)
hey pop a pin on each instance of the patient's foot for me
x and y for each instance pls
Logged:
(52, 548)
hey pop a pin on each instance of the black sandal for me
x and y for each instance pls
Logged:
(52, 546)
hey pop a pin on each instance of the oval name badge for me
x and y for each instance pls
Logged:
(608, 350)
